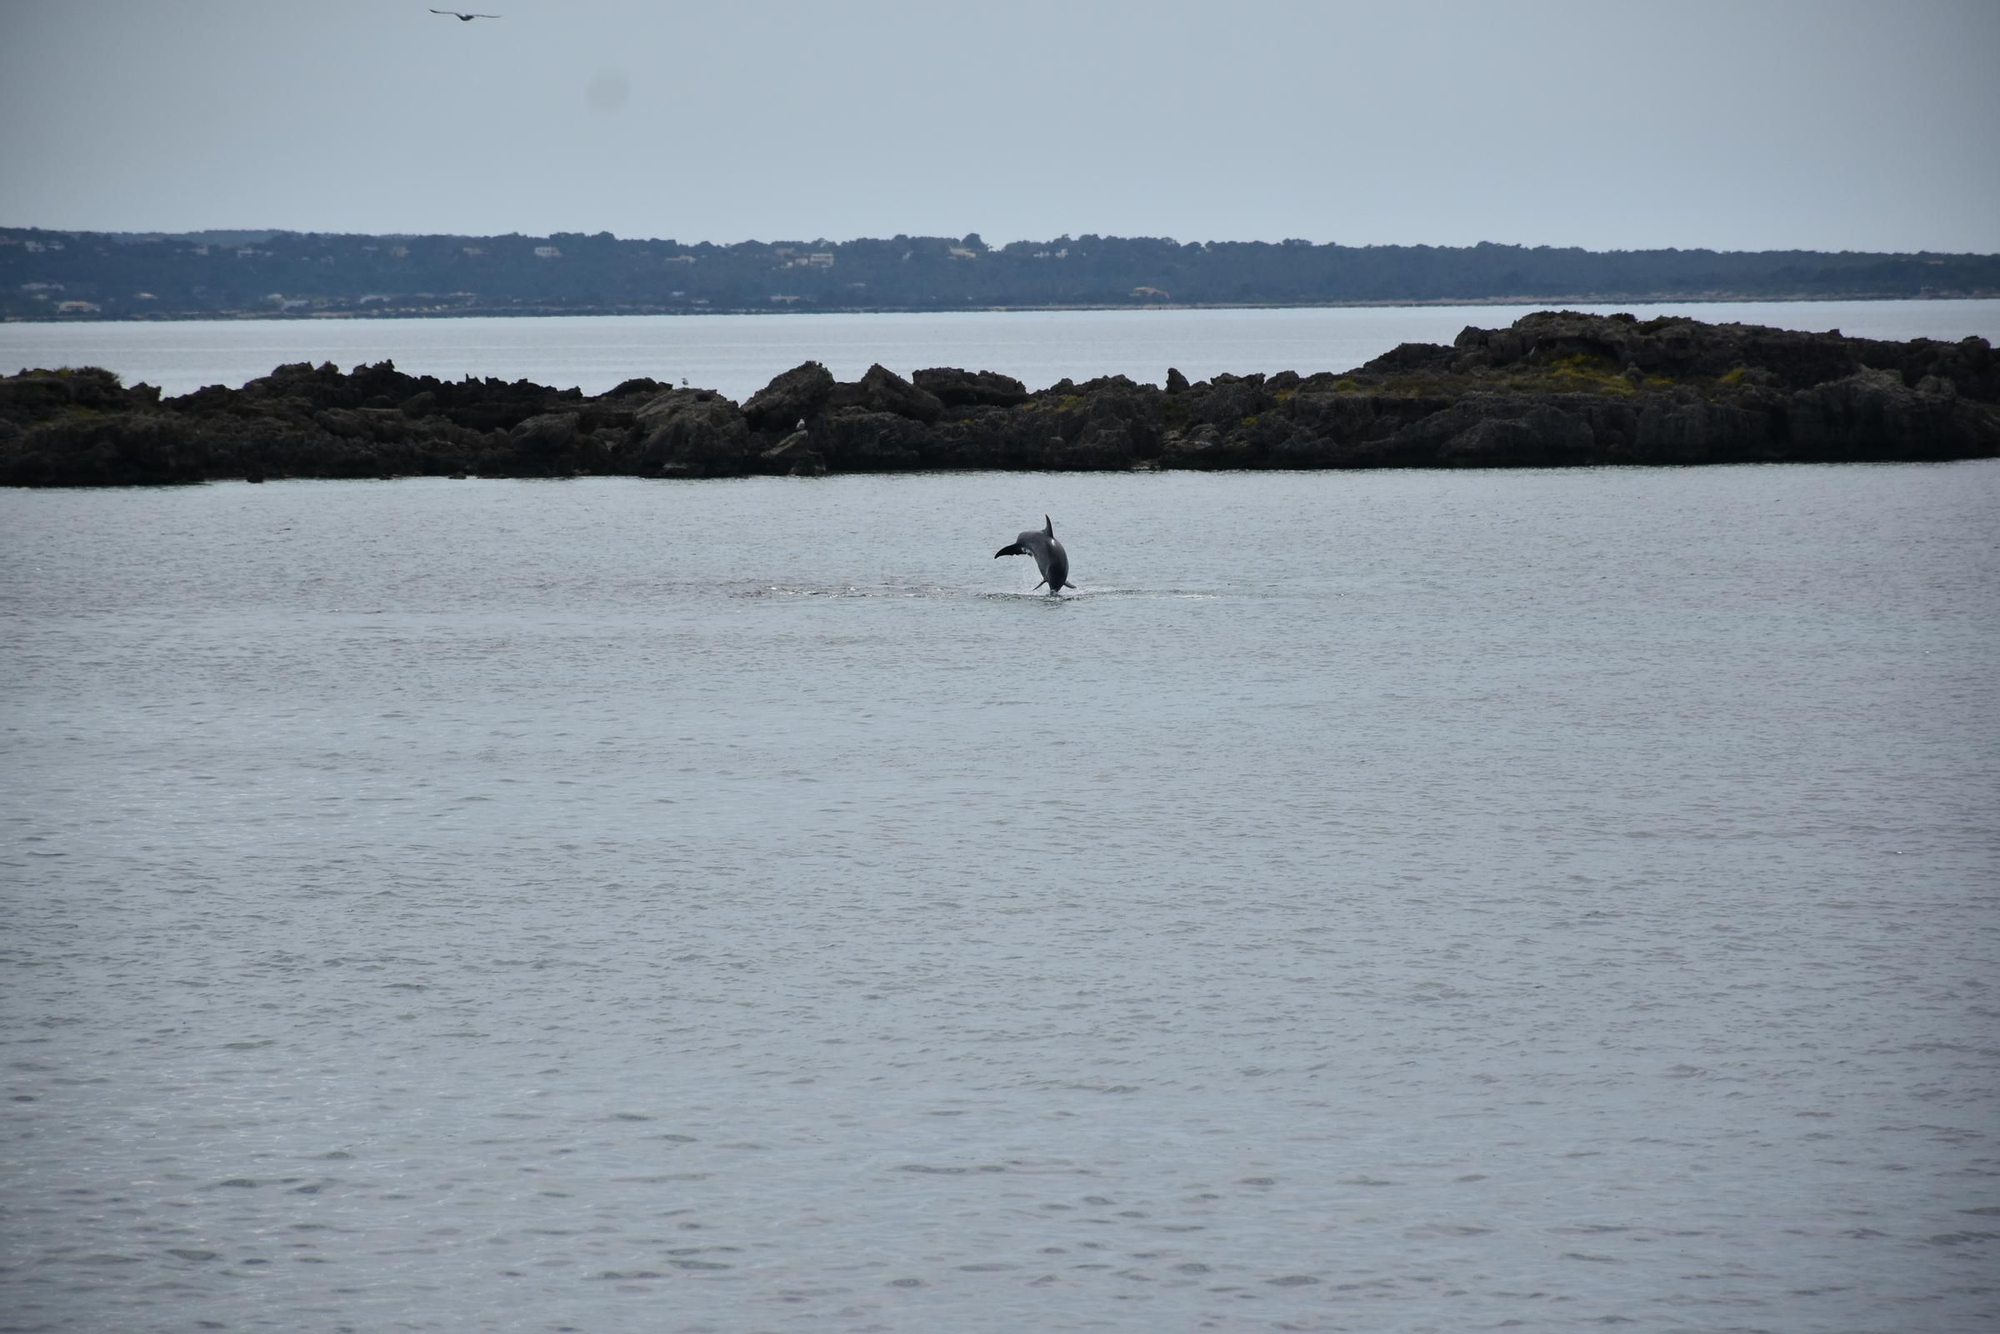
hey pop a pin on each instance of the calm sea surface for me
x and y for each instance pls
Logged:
(739, 354)
(1389, 901)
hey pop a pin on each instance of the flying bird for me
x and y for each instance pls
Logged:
(464, 18)
(1049, 555)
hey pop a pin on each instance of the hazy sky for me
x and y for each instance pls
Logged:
(1738, 125)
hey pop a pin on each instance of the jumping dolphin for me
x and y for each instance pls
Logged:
(1050, 558)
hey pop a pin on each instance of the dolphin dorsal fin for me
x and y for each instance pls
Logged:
(1048, 525)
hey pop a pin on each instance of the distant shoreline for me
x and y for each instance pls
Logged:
(510, 312)
(308, 275)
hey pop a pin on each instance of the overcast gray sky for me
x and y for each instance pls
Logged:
(1752, 124)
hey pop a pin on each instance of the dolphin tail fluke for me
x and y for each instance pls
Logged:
(1039, 585)
(1016, 550)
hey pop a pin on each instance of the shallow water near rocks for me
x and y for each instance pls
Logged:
(1390, 901)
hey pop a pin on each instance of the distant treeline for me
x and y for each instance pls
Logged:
(96, 275)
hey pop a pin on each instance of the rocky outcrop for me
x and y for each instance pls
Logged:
(794, 455)
(793, 397)
(881, 390)
(1554, 389)
(971, 389)
(690, 433)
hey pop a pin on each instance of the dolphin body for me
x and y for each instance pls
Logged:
(1050, 558)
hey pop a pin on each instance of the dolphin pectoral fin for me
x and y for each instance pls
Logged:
(1039, 585)
(1016, 550)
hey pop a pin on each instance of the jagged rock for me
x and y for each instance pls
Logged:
(384, 424)
(1176, 382)
(295, 379)
(34, 394)
(608, 416)
(955, 388)
(1672, 346)
(1104, 423)
(795, 455)
(1203, 447)
(1227, 401)
(882, 390)
(1689, 429)
(497, 405)
(545, 434)
(691, 433)
(640, 385)
(130, 449)
(1540, 437)
(1104, 445)
(1861, 413)
(344, 423)
(860, 441)
(797, 395)
(1406, 357)
(1336, 415)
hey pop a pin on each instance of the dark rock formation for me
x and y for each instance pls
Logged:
(690, 433)
(793, 397)
(547, 434)
(1554, 389)
(969, 389)
(794, 455)
(882, 390)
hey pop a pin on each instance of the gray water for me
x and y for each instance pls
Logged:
(1384, 901)
(739, 354)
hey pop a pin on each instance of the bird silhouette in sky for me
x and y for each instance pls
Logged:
(464, 18)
